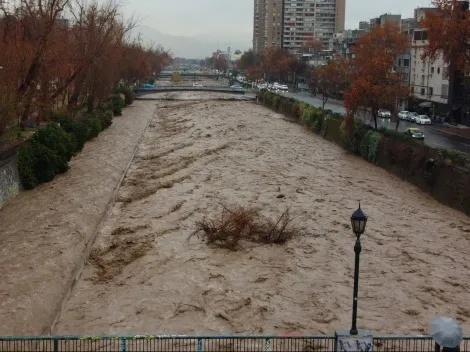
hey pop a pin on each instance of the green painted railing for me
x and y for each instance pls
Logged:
(189, 343)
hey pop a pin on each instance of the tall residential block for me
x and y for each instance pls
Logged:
(290, 23)
(267, 24)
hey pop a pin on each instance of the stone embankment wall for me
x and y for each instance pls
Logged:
(9, 181)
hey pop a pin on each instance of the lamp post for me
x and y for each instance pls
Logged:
(358, 222)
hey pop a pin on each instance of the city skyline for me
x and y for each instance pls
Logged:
(233, 21)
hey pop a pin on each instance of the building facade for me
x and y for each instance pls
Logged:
(267, 24)
(291, 23)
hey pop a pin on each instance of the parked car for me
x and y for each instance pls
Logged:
(411, 116)
(282, 88)
(197, 85)
(384, 113)
(236, 87)
(415, 133)
(423, 120)
(148, 86)
(402, 115)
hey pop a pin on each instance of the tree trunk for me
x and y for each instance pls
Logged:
(374, 115)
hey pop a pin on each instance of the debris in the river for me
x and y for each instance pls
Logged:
(237, 223)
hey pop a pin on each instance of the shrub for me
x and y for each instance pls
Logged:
(129, 95)
(318, 124)
(56, 139)
(94, 127)
(106, 118)
(117, 104)
(275, 102)
(453, 157)
(36, 164)
(78, 129)
(370, 145)
(285, 105)
(268, 98)
(353, 132)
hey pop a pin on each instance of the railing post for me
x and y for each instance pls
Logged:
(199, 345)
(123, 345)
(268, 344)
(56, 345)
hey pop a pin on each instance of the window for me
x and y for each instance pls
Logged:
(405, 76)
(444, 91)
(430, 91)
(445, 73)
(438, 70)
(406, 62)
(399, 62)
(423, 91)
(432, 69)
(412, 89)
(422, 80)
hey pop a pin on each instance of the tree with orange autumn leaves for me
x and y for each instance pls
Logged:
(49, 62)
(448, 28)
(374, 83)
(332, 79)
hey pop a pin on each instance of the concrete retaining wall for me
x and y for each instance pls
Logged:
(9, 181)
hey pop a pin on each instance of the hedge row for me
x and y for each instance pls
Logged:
(361, 140)
(358, 138)
(442, 173)
(48, 152)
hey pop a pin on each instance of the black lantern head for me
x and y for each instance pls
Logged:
(358, 221)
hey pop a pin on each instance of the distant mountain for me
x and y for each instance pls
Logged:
(187, 47)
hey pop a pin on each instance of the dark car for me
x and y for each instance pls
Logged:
(415, 133)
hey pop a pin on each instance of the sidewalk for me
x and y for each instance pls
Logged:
(46, 231)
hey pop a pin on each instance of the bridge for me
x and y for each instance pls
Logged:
(217, 89)
(168, 74)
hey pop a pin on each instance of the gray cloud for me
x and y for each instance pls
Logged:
(231, 21)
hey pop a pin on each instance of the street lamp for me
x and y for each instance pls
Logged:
(358, 222)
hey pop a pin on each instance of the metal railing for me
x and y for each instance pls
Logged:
(185, 343)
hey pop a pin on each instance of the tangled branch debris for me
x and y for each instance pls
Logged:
(237, 223)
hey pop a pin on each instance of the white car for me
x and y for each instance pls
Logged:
(423, 120)
(411, 117)
(402, 115)
(384, 113)
(197, 85)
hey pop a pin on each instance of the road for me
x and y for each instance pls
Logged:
(434, 138)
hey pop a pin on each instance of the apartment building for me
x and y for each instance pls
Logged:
(267, 24)
(429, 79)
(306, 20)
(290, 23)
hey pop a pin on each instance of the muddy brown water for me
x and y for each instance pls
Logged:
(145, 276)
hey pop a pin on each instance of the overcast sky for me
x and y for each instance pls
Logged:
(232, 20)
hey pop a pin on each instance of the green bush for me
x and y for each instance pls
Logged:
(129, 95)
(309, 116)
(94, 127)
(352, 139)
(453, 156)
(78, 129)
(117, 105)
(370, 145)
(318, 124)
(275, 102)
(37, 164)
(56, 139)
(106, 118)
